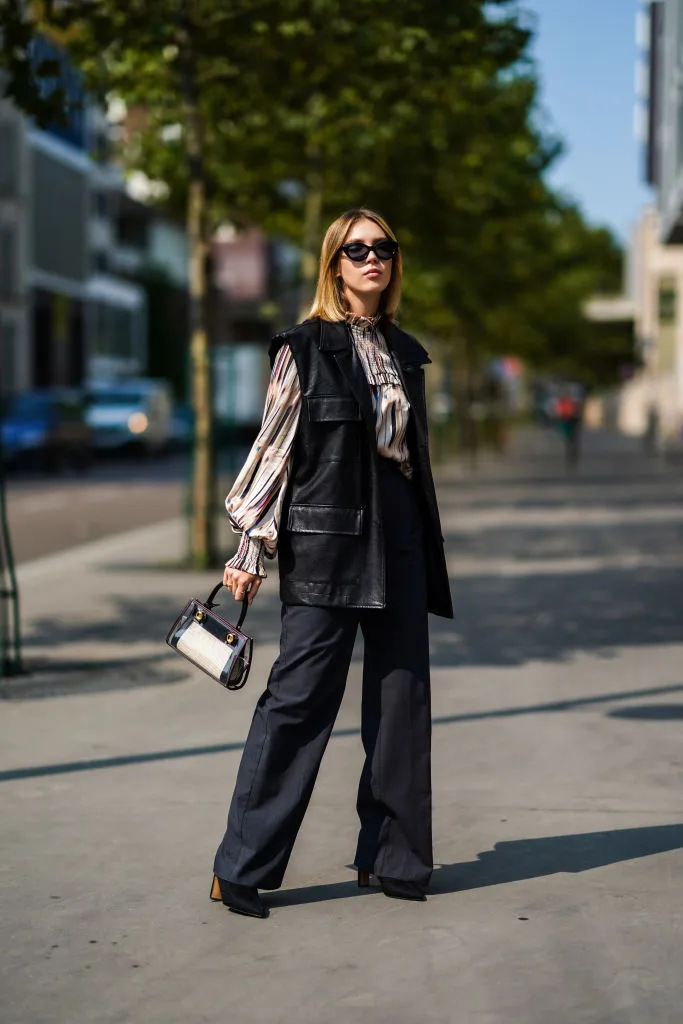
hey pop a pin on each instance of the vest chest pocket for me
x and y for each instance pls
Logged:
(332, 408)
(325, 519)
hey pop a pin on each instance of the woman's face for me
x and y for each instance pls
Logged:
(366, 280)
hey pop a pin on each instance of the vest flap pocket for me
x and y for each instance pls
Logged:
(325, 519)
(332, 408)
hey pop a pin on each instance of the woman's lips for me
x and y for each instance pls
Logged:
(373, 273)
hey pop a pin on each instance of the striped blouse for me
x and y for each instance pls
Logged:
(254, 504)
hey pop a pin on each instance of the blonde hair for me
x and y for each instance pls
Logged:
(330, 302)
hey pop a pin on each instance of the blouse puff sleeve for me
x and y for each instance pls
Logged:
(254, 503)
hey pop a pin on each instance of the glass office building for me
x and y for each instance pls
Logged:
(665, 104)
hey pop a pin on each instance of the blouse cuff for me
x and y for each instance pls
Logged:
(249, 556)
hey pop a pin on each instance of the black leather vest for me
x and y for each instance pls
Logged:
(330, 548)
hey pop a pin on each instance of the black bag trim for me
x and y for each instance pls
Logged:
(237, 667)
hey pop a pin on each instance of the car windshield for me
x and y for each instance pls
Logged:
(109, 398)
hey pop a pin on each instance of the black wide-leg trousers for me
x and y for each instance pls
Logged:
(295, 715)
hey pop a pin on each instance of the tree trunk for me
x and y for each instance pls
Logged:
(311, 240)
(203, 496)
(310, 247)
(202, 505)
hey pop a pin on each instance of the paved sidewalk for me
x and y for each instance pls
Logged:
(558, 710)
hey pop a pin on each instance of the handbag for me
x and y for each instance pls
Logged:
(212, 643)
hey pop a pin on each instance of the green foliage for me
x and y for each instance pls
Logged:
(22, 79)
(424, 110)
(543, 319)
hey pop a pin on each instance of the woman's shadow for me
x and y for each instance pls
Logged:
(514, 860)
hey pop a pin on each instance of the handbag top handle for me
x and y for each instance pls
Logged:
(210, 603)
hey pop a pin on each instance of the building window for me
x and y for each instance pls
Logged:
(7, 261)
(100, 263)
(102, 146)
(667, 302)
(100, 203)
(8, 159)
(115, 331)
(59, 218)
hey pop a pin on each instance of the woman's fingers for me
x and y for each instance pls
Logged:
(241, 583)
(244, 583)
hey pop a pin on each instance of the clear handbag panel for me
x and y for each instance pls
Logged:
(206, 651)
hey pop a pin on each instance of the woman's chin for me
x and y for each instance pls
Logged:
(371, 290)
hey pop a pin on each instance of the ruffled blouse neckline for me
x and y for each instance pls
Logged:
(356, 320)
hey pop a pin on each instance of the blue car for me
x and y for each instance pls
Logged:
(46, 430)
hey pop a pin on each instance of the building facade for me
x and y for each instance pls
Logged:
(663, 102)
(651, 404)
(94, 282)
(62, 309)
(14, 196)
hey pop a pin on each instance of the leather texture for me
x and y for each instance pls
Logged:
(331, 545)
(332, 408)
(325, 519)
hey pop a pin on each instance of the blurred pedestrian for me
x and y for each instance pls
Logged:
(339, 481)
(569, 414)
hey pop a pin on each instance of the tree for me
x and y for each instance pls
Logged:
(23, 79)
(173, 63)
(399, 80)
(283, 112)
(581, 261)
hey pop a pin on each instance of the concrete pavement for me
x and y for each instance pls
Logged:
(50, 512)
(558, 709)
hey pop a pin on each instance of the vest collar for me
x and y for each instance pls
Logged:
(335, 336)
(409, 351)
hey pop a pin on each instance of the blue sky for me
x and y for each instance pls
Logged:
(586, 54)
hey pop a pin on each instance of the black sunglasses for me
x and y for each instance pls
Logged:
(357, 252)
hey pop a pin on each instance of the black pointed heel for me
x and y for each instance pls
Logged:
(241, 899)
(400, 889)
(363, 879)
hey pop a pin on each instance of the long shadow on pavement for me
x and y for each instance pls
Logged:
(510, 620)
(650, 713)
(95, 764)
(512, 861)
(517, 860)
(500, 620)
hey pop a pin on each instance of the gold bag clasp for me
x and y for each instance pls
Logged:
(199, 616)
(230, 638)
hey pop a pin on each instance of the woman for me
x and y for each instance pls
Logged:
(339, 482)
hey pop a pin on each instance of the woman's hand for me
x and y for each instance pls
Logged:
(241, 583)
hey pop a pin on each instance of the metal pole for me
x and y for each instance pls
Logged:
(10, 635)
